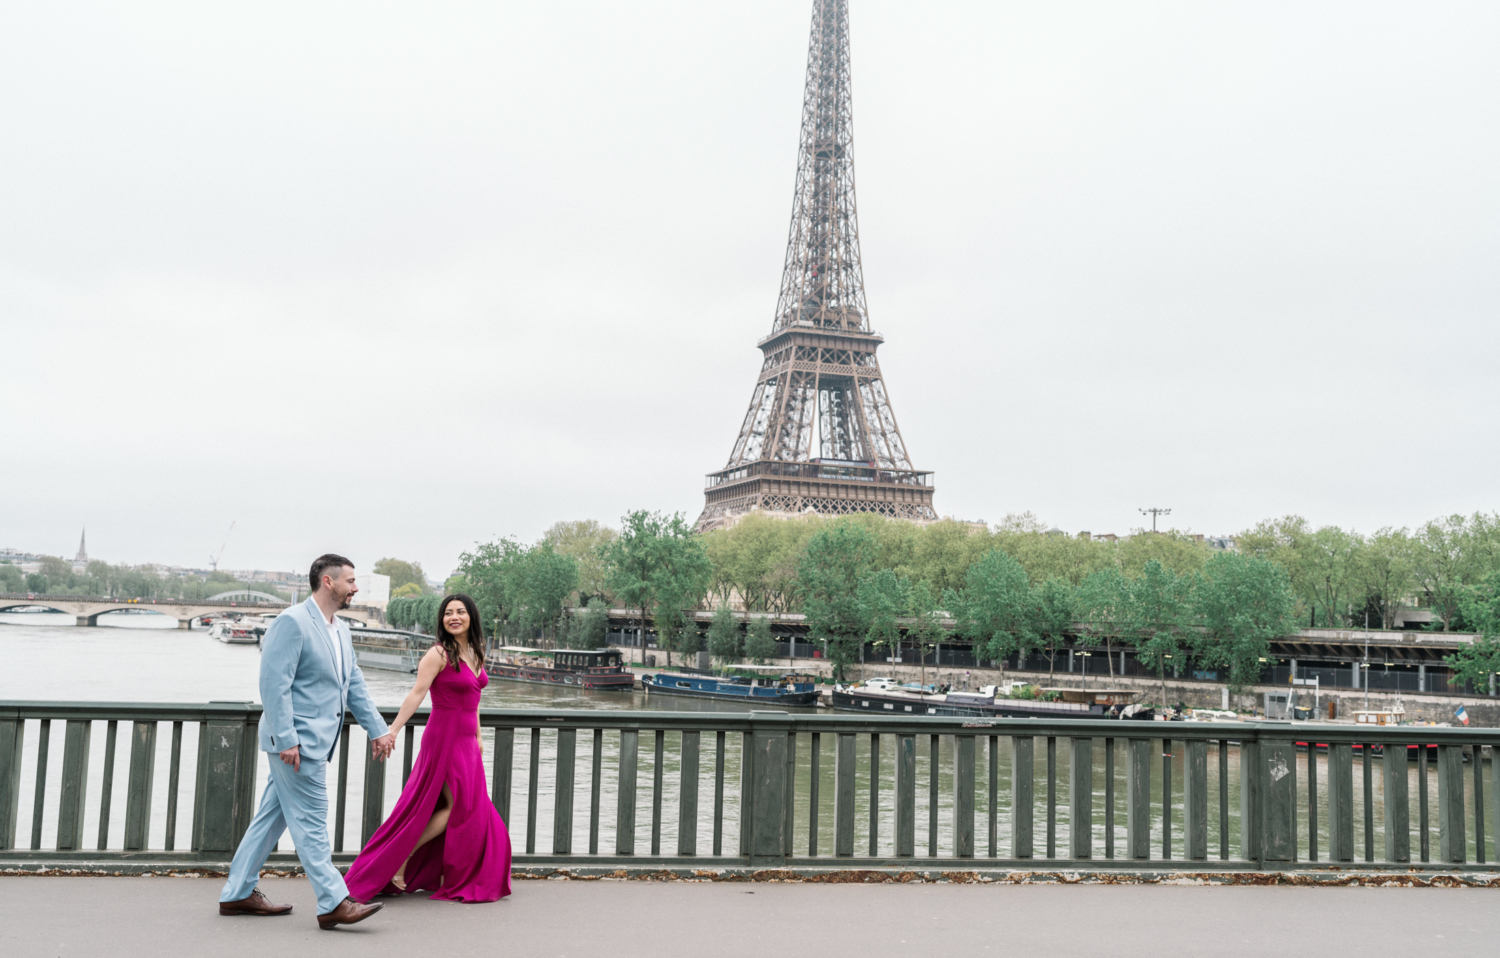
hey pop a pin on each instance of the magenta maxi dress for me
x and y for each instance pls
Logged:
(471, 860)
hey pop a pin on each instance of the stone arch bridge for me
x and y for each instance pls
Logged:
(87, 609)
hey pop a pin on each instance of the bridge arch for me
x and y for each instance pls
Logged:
(237, 594)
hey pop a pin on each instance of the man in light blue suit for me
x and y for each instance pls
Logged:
(307, 680)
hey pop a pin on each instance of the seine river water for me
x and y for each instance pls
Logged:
(131, 658)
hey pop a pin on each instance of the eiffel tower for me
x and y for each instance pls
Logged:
(820, 388)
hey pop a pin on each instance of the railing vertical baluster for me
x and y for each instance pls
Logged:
(789, 796)
(1423, 823)
(1223, 750)
(75, 781)
(562, 792)
(843, 794)
(1166, 799)
(1494, 795)
(533, 777)
(719, 794)
(906, 797)
(174, 778)
(656, 779)
(687, 802)
(1340, 802)
(1397, 805)
(12, 738)
(994, 803)
(373, 811)
(1022, 789)
(1312, 800)
(812, 795)
(1109, 798)
(1478, 752)
(1450, 772)
(39, 799)
(874, 794)
(139, 786)
(1369, 793)
(594, 791)
(932, 797)
(1195, 800)
(1051, 796)
(1138, 798)
(106, 793)
(1081, 797)
(408, 743)
(963, 797)
(341, 796)
(500, 771)
(625, 808)
(747, 791)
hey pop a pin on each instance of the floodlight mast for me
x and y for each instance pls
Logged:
(1153, 512)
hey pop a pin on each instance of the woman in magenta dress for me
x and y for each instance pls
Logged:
(444, 834)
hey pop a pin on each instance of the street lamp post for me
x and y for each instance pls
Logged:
(1084, 656)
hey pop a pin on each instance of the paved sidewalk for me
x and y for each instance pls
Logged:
(127, 917)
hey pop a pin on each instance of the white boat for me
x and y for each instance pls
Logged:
(245, 630)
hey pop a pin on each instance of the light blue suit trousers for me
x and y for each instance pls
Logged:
(297, 801)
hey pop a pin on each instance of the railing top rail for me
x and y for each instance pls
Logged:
(1315, 732)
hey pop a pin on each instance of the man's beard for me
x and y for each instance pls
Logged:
(346, 601)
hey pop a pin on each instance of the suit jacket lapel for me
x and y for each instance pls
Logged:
(320, 626)
(347, 647)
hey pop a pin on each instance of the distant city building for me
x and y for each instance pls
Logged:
(81, 560)
(374, 589)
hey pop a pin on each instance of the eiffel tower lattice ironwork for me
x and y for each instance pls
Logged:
(820, 385)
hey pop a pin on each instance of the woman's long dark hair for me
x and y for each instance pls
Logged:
(476, 631)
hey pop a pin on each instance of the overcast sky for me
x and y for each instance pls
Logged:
(391, 279)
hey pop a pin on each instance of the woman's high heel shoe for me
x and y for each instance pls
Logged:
(400, 883)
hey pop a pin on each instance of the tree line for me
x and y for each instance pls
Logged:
(1014, 591)
(57, 577)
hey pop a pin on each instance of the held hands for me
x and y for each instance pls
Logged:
(381, 748)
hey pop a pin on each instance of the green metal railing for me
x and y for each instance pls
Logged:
(795, 790)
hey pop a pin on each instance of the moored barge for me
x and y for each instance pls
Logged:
(776, 686)
(1074, 703)
(601, 669)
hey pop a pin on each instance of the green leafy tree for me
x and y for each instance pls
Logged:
(491, 577)
(583, 540)
(838, 554)
(1102, 600)
(1054, 603)
(591, 630)
(1240, 603)
(1156, 618)
(1452, 556)
(402, 573)
(409, 589)
(1383, 574)
(760, 643)
(883, 598)
(756, 560)
(544, 579)
(724, 642)
(657, 563)
(995, 609)
(925, 629)
(1330, 562)
(1480, 607)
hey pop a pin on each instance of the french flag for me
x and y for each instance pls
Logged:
(1463, 716)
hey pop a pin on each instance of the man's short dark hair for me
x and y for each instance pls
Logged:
(321, 565)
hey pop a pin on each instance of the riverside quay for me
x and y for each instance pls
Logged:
(142, 788)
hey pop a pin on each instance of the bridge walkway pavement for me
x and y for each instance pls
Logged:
(128, 917)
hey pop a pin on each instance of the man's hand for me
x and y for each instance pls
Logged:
(293, 757)
(381, 748)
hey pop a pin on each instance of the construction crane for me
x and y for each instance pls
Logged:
(213, 560)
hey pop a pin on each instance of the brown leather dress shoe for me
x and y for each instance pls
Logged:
(348, 912)
(254, 904)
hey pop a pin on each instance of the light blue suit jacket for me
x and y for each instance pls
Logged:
(302, 690)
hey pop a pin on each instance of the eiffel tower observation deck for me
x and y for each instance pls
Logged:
(820, 436)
